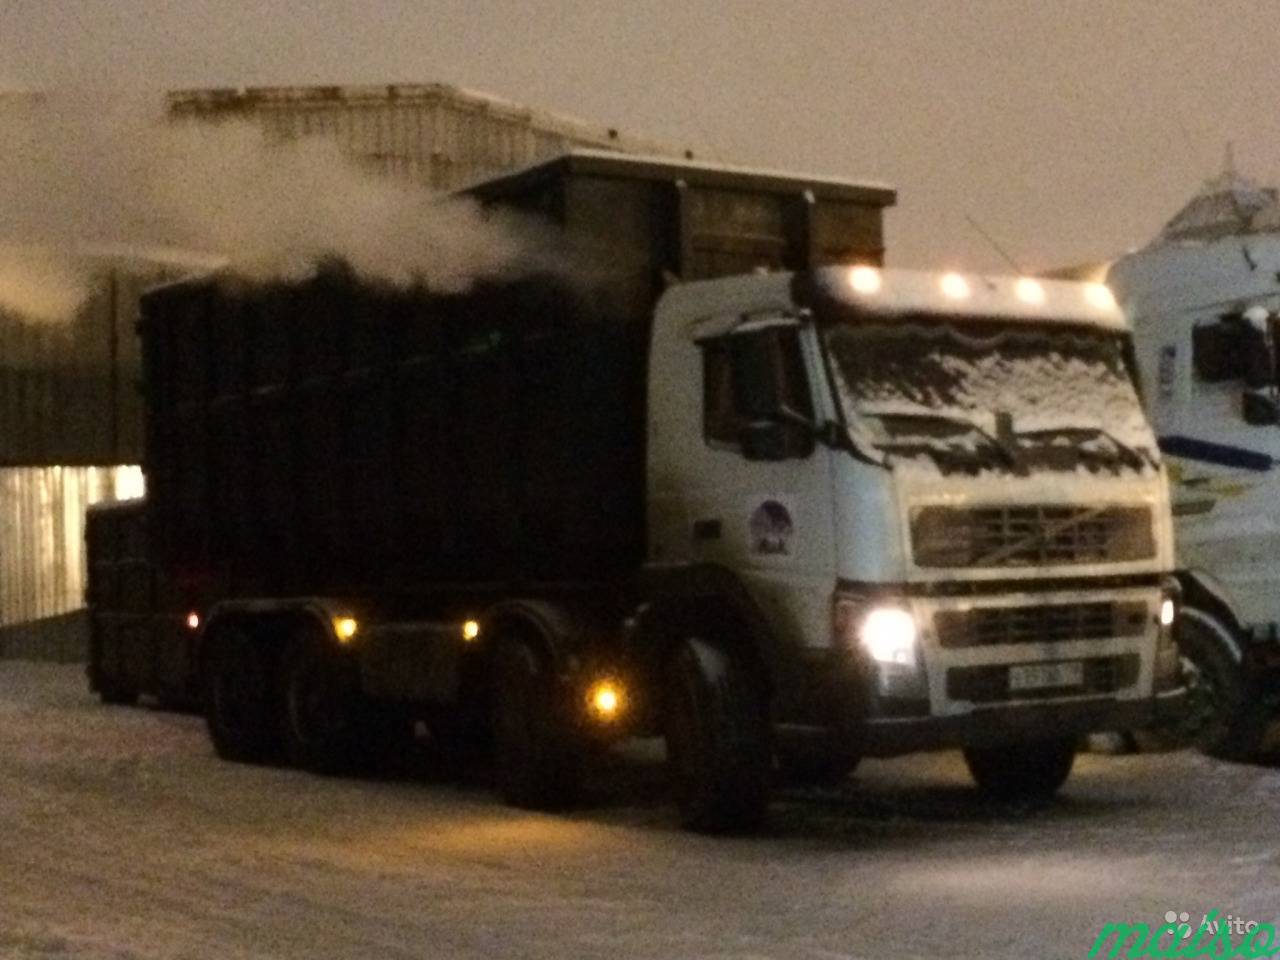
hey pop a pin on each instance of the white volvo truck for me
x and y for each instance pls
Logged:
(875, 511)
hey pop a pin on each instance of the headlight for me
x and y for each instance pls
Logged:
(889, 635)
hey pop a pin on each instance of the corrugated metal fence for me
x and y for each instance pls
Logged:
(42, 562)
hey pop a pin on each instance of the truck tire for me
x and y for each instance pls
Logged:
(718, 745)
(1022, 772)
(1226, 718)
(537, 762)
(322, 712)
(238, 699)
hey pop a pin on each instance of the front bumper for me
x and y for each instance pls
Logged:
(994, 726)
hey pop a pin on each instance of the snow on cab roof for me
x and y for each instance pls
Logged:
(876, 290)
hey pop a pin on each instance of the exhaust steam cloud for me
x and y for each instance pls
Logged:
(82, 170)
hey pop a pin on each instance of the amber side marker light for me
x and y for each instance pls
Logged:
(470, 630)
(345, 628)
(193, 621)
(605, 700)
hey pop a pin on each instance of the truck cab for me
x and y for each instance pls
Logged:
(1206, 319)
(943, 493)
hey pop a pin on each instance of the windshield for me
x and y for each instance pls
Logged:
(989, 394)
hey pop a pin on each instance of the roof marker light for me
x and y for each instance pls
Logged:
(1029, 291)
(1099, 296)
(955, 286)
(865, 279)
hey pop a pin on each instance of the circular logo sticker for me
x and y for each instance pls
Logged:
(771, 529)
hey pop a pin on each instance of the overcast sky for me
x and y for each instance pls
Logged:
(1070, 129)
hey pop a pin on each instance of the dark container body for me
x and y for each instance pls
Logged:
(331, 438)
(336, 438)
(630, 226)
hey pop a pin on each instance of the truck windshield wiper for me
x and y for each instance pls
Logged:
(968, 426)
(1127, 453)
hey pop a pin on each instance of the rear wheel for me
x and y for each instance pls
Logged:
(238, 699)
(321, 708)
(538, 763)
(1022, 772)
(717, 733)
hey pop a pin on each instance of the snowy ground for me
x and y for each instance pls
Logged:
(121, 836)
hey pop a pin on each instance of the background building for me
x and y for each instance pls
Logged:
(432, 134)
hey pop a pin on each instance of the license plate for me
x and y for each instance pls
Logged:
(1040, 676)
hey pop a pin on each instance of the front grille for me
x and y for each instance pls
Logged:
(1044, 623)
(1031, 535)
(990, 683)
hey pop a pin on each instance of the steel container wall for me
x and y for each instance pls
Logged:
(432, 134)
(42, 509)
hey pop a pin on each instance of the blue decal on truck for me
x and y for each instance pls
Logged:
(1224, 455)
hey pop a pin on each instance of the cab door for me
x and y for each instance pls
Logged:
(759, 485)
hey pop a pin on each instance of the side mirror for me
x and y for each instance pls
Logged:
(1259, 409)
(773, 440)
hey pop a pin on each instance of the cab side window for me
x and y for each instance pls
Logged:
(749, 377)
(1229, 349)
(1242, 348)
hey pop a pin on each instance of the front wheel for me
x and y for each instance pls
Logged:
(1022, 772)
(717, 732)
